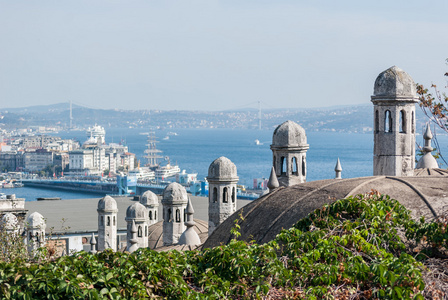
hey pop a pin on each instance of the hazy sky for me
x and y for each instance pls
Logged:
(214, 55)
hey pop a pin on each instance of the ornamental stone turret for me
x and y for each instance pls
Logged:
(107, 223)
(394, 99)
(222, 179)
(136, 215)
(174, 203)
(427, 161)
(289, 148)
(35, 231)
(151, 202)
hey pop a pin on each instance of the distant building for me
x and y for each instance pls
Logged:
(37, 160)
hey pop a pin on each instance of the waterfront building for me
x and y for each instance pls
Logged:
(222, 179)
(37, 160)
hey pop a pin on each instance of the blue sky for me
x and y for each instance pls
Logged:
(214, 55)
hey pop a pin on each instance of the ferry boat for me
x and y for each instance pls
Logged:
(168, 170)
(143, 173)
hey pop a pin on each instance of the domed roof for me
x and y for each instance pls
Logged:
(35, 220)
(222, 168)
(107, 203)
(289, 134)
(174, 193)
(265, 217)
(9, 221)
(136, 211)
(149, 199)
(394, 83)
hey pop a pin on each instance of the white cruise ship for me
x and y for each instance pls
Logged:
(143, 173)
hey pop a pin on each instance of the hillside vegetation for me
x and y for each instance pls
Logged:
(362, 247)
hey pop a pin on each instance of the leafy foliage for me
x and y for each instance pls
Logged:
(359, 247)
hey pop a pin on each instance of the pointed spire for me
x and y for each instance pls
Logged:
(93, 244)
(133, 241)
(273, 181)
(189, 236)
(338, 170)
(427, 161)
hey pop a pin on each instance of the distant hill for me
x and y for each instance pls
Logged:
(353, 118)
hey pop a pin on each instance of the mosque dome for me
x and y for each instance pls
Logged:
(394, 83)
(107, 203)
(9, 221)
(289, 134)
(35, 220)
(424, 195)
(149, 199)
(136, 211)
(222, 168)
(174, 193)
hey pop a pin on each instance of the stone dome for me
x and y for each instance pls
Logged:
(289, 134)
(222, 168)
(174, 193)
(9, 221)
(424, 195)
(394, 83)
(35, 220)
(136, 211)
(107, 203)
(149, 199)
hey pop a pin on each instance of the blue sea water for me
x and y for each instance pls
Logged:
(195, 149)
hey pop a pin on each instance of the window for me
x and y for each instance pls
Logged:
(233, 195)
(155, 215)
(215, 195)
(169, 215)
(303, 166)
(413, 125)
(402, 121)
(283, 161)
(177, 215)
(146, 230)
(150, 215)
(377, 122)
(108, 221)
(294, 166)
(224, 195)
(185, 215)
(387, 121)
(139, 231)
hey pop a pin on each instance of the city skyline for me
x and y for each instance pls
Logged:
(213, 55)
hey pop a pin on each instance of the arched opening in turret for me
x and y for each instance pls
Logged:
(413, 124)
(402, 121)
(170, 218)
(274, 162)
(177, 215)
(102, 220)
(295, 167)
(283, 162)
(233, 195)
(303, 166)
(215, 195)
(185, 215)
(155, 215)
(387, 121)
(225, 195)
(146, 230)
(139, 231)
(108, 221)
(377, 122)
(31, 236)
(114, 221)
(150, 215)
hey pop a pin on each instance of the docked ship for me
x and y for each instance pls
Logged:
(153, 156)
(143, 173)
